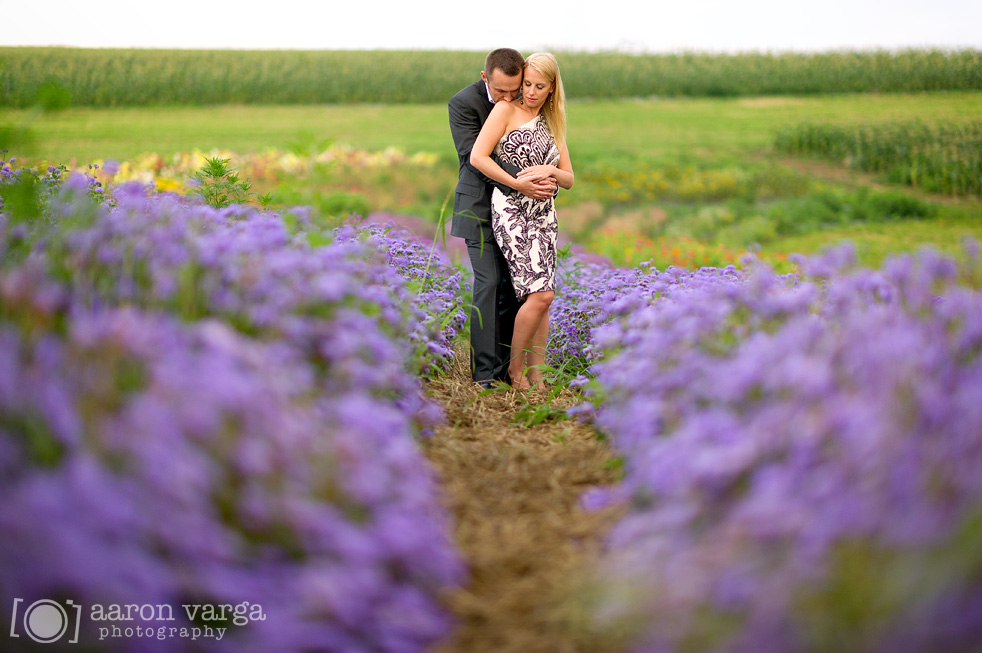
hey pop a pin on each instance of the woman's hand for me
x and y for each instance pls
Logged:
(535, 187)
(538, 173)
(538, 182)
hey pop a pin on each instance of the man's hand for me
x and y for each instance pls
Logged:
(537, 182)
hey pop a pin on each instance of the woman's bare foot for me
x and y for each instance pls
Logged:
(518, 380)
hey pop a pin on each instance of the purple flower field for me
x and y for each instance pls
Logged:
(803, 458)
(201, 407)
(206, 406)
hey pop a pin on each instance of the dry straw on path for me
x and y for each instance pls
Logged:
(514, 494)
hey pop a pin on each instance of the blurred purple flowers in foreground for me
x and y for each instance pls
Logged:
(803, 458)
(200, 406)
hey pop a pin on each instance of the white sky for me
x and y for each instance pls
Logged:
(631, 25)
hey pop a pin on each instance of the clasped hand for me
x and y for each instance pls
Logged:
(537, 182)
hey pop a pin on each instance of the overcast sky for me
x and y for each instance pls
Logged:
(703, 25)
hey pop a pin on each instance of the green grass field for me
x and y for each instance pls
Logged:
(700, 129)
(721, 137)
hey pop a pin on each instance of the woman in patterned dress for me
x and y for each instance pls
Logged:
(531, 133)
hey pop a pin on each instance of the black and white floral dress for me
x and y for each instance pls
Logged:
(527, 229)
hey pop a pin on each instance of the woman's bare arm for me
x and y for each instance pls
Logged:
(494, 128)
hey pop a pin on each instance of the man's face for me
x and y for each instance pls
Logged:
(501, 86)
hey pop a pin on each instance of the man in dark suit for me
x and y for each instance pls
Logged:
(494, 304)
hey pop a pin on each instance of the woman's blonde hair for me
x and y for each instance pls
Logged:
(554, 109)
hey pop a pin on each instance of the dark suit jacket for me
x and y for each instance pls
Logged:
(472, 202)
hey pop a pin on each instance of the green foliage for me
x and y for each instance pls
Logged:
(836, 207)
(620, 185)
(21, 200)
(308, 146)
(53, 96)
(943, 157)
(219, 186)
(336, 204)
(26, 196)
(343, 204)
(866, 583)
(616, 464)
(532, 413)
(33, 434)
(17, 138)
(135, 77)
(740, 223)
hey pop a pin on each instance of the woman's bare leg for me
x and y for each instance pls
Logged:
(536, 357)
(528, 322)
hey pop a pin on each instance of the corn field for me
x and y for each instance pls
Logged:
(60, 77)
(941, 158)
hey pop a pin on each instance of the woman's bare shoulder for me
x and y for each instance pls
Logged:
(510, 114)
(504, 108)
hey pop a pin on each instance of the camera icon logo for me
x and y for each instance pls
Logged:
(46, 621)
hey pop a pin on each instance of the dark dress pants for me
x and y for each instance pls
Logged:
(493, 311)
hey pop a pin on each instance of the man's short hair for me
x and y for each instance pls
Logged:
(508, 61)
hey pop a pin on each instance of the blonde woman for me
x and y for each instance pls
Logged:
(530, 133)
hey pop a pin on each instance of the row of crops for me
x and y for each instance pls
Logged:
(219, 406)
(802, 454)
(937, 157)
(59, 77)
(203, 406)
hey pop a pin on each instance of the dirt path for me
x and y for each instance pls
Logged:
(513, 492)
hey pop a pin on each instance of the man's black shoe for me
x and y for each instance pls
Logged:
(487, 384)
